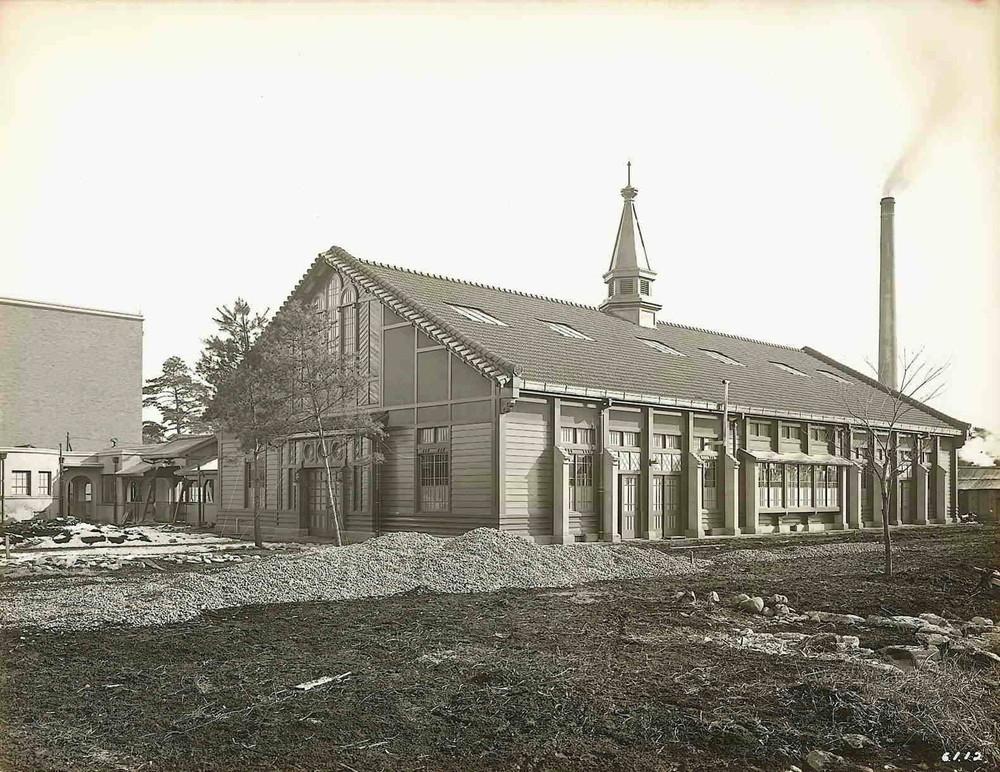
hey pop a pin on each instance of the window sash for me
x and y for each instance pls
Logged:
(20, 483)
(434, 482)
(45, 483)
(581, 483)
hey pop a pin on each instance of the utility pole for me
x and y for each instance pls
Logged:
(61, 459)
(3, 508)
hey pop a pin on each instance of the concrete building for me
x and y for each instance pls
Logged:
(69, 376)
(564, 422)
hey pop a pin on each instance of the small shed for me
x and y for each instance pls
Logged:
(979, 491)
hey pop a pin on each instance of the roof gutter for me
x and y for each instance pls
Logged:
(625, 397)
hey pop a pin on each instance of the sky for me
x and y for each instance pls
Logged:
(168, 157)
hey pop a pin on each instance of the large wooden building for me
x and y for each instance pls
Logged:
(565, 422)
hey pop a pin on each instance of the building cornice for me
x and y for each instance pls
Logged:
(70, 309)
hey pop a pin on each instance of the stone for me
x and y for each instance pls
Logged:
(928, 629)
(841, 619)
(932, 639)
(775, 599)
(781, 610)
(824, 760)
(846, 642)
(981, 621)
(900, 622)
(751, 605)
(823, 642)
(738, 599)
(934, 619)
(713, 597)
(857, 741)
(909, 657)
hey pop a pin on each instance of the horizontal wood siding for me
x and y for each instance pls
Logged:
(231, 472)
(397, 479)
(528, 483)
(472, 476)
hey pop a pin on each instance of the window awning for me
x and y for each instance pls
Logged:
(797, 458)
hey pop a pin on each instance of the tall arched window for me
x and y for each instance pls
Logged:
(332, 308)
(349, 320)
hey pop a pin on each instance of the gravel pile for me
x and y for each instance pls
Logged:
(479, 561)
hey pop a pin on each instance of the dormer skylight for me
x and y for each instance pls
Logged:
(663, 348)
(476, 315)
(789, 369)
(718, 355)
(566, 331)
(834, 377)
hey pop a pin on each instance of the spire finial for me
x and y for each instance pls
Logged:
(629, 166)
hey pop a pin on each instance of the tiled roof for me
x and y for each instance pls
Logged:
(616, 360)
(978, 478)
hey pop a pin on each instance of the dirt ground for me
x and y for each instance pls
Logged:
(611, 676)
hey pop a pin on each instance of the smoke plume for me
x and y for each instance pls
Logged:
(983, 449)
(940, 87)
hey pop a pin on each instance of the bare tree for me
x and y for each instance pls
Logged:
(324, 388)
(882, 413)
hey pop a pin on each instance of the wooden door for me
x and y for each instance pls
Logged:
(628, 505)
(671, 494)
(319, 516)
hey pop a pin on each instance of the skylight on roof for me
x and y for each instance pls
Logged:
(722, 357)
(789, 369)
(476, 315)
(566, 331)
(834, 377)
(661, 347)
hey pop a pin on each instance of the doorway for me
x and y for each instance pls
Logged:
(628, 505)
(81, 497)
(667, 503)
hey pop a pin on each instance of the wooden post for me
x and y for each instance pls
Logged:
(560, 480)
(650, 528)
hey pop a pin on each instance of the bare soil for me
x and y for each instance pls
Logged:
(610, 676)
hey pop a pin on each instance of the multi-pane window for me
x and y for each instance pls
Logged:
(21, 483)
(349, 321)
(770, 486)
(805, 486)
(759, 428)
(624, 439)
(666, 441)
(566, 331)
(790, 432)
(45, 483)
(433, 468)
(819, 433)
(671, 462)
(291, 497)
(133, 493)
(666, 493)
(709, 485)
(356, 489)
(581, 482)
(578, 436)
(792, 483)
(663, 348)
(707, 443)
(827, 490)
(332, 306)
(476, 315)
(719, 356)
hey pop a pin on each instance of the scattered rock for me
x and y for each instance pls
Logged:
(909, 657)
(934, 619)
(857, 741)
(751, 605)
(738, 599)
(824, 761)
(981, 621)
(781, 609)
(827, 616)
(713, 597)
(775, 599)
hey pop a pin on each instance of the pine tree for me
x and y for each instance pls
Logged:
(178, 396)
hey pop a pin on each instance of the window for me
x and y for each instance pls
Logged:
(476, 315)
(576, 436)
(663, 348)
(832, 487)
(805, 486)
(790, 432)
(133, 492)
(357, 476)
(349, 321)
(834, 377)
(291, 499)
(291, 451)
(581, 482)
(759, 428)
(709, 491)
(792, 483)
(566, 331)
(722, 357)
(624, 439)
(433, 456)
(644, 286)
(21, 484)
(706, 443)
(208, 492)
(666, 493)
(331, 305)
(819, 433)
(108, 489)
(626, 286)
(789, 369)
(770, 486)
(666, 441)
(45, 483)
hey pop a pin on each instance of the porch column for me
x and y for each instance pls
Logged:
(876, 486)
(921, 478)
(940, 483)
(651, 528)
(609, 515)
(853, 475)
(694, 472)
(560, 497)
(840, 517)
(748, 465)
(729, 479)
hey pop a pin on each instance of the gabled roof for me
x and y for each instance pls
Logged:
(179, 446)
(616, 362)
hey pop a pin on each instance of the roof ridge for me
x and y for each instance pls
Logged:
(476, 284)
(729, 335)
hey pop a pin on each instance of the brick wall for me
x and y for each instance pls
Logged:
(69, 370)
